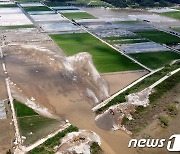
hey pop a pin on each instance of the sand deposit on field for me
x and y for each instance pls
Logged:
(120, 80)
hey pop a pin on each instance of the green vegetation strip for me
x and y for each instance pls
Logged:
(32, 125)
(7, 5)
(104, 57)
(95, 148)
(16, 27)
(176, 29)
(48, 146)
(78, 15)
(36, 8)
(138, 87)
(144, 115)
(175, 15)
(155, 60)
(159, 37)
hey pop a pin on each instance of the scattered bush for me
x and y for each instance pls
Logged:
(172, 110)
(95, 148)
(164, 121)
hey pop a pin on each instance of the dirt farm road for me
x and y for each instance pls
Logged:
(14, 118)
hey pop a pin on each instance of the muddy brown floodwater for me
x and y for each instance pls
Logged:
(47, 87)
(51, 88)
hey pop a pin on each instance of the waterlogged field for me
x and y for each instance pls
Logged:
(155, 60)
(159, 37)
(78, 15)
(32, 125)
(105, 58)
(125, 39)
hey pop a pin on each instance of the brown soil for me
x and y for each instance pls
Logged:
(3, 93)
(118, 81)
(6, 135)
(54, 89)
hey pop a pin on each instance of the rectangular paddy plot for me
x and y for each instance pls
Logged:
(32, 125)
(13, 16)
(125, 39)
(47, 17)
(159, 36)
(7, 5)
(31, 4)
(155, 60)
(58, 27)
(78, 15)
(141, 47)
(62, 8)
(105, 58)
(36, 8)
(176, 29)
(174, 14)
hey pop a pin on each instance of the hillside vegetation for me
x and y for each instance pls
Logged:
(142, 3)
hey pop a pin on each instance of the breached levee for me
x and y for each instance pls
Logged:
(96, 87)
(78, 142)
(112, 118)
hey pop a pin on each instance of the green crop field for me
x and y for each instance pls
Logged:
(175, 15)
(155, 60)
(176, 29)
(159, 36)
(104, 57)
(78, 15)
(16, 27)
(7, 5)
(32, 125)
(37, 8)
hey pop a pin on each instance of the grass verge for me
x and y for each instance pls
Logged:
(16, 27)
(176, 29)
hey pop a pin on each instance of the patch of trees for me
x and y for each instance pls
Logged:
(142, 3)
